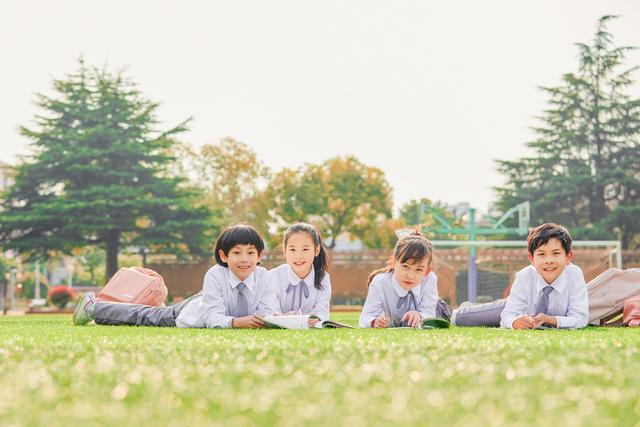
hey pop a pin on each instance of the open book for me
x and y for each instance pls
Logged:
(434, 323)
(431, 323)
(299, 321)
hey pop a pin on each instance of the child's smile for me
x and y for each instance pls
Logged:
(550, 260)
(300, 252)
(242, 260)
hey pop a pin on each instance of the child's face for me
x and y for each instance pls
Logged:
(300, 252)
(409, 274)
(550, 260)
(242, 260)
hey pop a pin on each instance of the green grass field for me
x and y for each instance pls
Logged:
(55, 374)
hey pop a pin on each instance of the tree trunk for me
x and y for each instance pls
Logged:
(111, 240)
(332, 245)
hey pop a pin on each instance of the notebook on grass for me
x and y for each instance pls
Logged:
(299, 321)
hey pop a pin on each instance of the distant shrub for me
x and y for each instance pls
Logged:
(61, 295)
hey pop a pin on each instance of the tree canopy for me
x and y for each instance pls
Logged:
(338, 195)
(97, 175)
(585, 171)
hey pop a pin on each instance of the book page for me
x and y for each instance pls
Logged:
(287, 321)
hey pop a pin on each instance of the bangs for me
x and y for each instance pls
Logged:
(240, 234)
(246, 236)
(413, 251)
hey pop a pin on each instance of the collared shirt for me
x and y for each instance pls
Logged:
(568, 301)
(385, 292)
(215, 305)
(318, 301)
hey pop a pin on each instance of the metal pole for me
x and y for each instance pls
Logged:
(36, 279)
(12, 288)
(472, 276)
(3, 293)
(70, 273)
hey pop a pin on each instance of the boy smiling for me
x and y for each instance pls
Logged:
(235, 292)
(551, 291)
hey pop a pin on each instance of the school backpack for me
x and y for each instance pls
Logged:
(608, 293)
(631, 312)
(135, 285)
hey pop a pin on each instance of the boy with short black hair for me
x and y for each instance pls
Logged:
(233, 292)
(550, 292)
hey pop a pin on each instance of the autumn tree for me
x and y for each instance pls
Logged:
(230, 177)
(339, 195)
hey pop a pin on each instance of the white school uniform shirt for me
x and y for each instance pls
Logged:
(215, 306)
(384, 293)
(318, 301)
(568, 301)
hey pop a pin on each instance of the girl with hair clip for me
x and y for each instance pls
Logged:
(406, 291)
(302, 285)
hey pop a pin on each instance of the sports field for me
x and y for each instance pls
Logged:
(55, 374)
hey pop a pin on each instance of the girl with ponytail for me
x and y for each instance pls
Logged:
(302, 285)
(406, 291)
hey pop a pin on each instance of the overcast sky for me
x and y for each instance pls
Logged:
(430, 92)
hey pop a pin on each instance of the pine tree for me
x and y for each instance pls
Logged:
(97, 175)
(585, 172)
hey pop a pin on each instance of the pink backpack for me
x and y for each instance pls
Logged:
(631, 312)
(135, 285)
(608, 293)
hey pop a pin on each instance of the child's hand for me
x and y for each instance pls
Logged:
(524, 322)
(412, 318)
(247, 322)
(542, 318)
(380, 322)
(312, 322)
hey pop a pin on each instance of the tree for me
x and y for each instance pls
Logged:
(586, 169)
(341, 194)
(98, 175)
(381, 233)
(230, 176)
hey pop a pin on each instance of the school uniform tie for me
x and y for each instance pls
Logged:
(406, 302)
(242, 304)
(300, 290)
(543, 302)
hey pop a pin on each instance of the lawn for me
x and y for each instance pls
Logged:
(55, 374)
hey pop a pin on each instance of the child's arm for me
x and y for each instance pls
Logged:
(526, 322)
(213, 304)
(323, 299)
(429, 300)
(372, 308)
(247, 322)
(578, 310)
(269, 303)
(413, 318)
(274, 283)
(380, 322)
(516, 306)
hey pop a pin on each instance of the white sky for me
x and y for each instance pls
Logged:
(430, 92)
